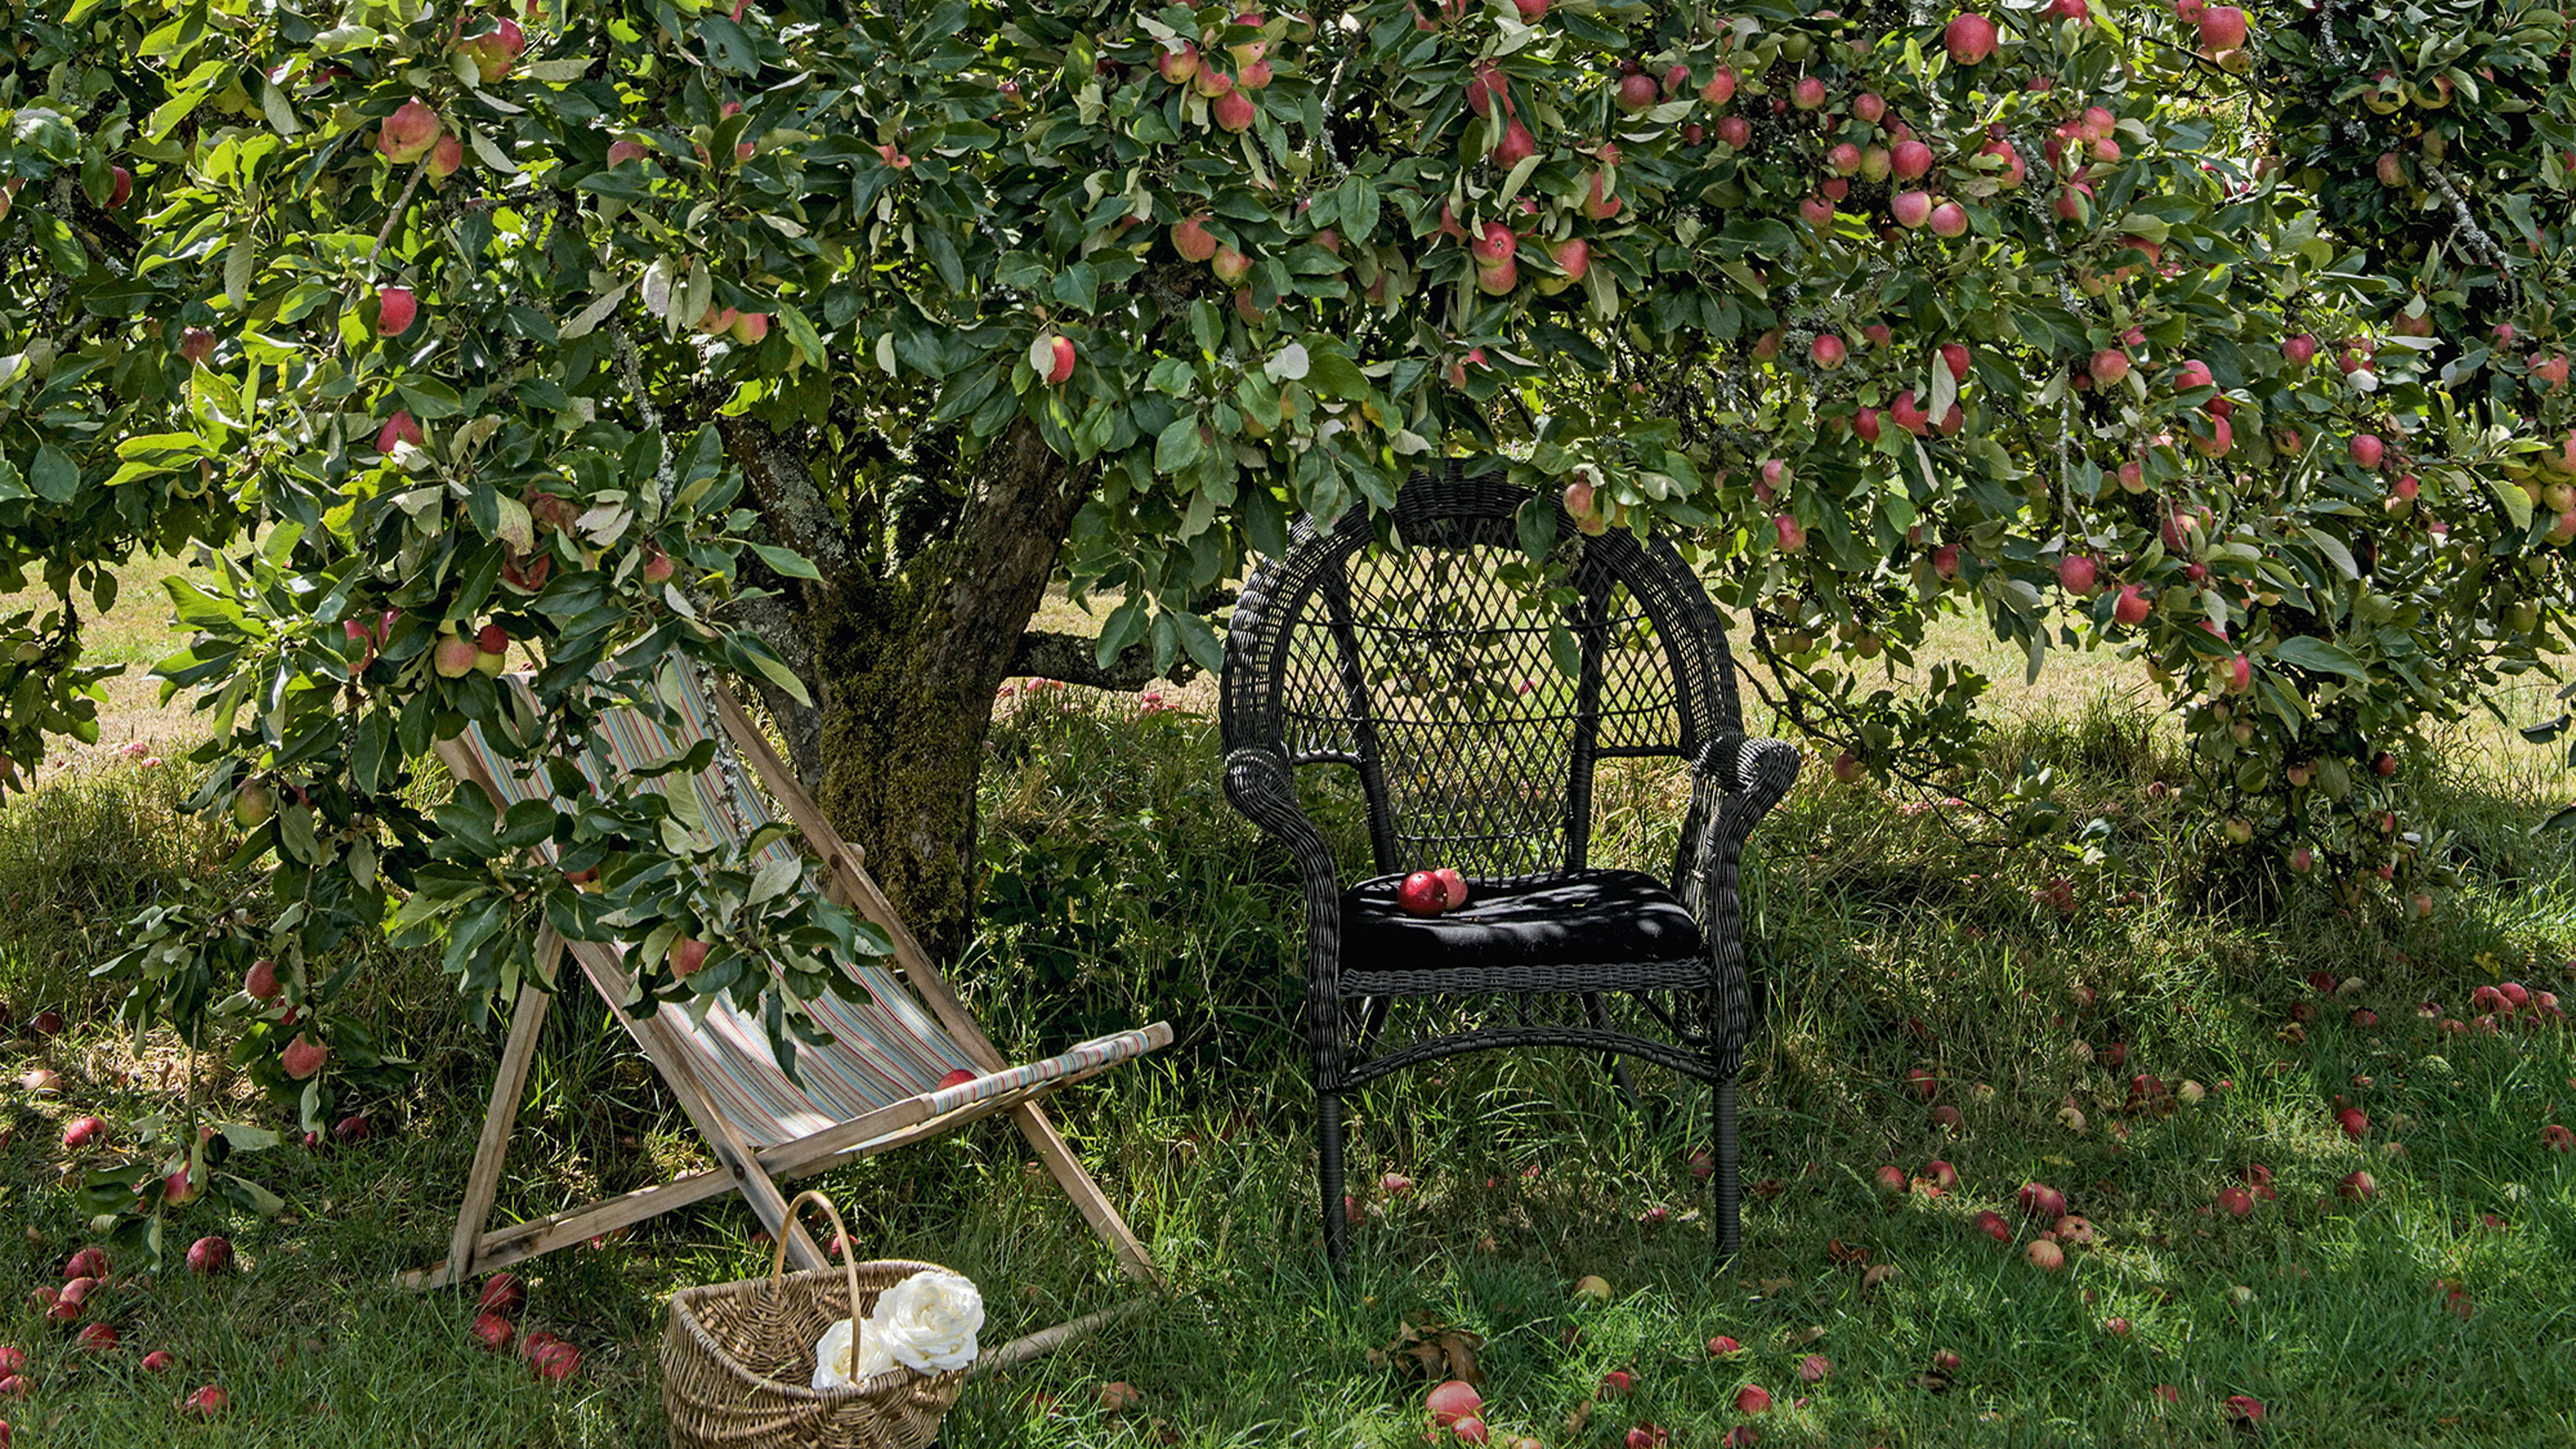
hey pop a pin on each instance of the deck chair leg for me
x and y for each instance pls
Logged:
(1328, 1142)
(1069, 1173)
(1726, 1189)
(483, 1181)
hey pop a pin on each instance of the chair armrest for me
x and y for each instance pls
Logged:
(1735, 783)
(1754, 776)
(1257, 781)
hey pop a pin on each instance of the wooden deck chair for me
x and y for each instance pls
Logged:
(875, 1087)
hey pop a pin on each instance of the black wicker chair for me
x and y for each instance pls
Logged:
(1425, 661)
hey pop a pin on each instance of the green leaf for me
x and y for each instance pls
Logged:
(2517, 504)
(800, 333)
(248, 1195)
(786, 562)
(1179, 446)
(56, 477)
(2316, 655)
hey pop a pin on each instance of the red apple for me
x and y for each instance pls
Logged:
(453, 657)
(493, 1331)
(1192, 239)
(2222, 27)
(1454, 1400)
(82, 1131)
(1453, 886)
(2357, 1186)
(2076, 573)
(395, 309)
(2044, 1255)
(1752, 1399)
(1422, 894)
(2132, 607)
(407, 134)
(2039, 1200)
(1992, 1224)
(957, 1077)
(160, 1361)
(87, 1263)
(97, 1338)
(687, 955)
(303, 1057)
(205, 1403)
(1970, 39)
(210, 1255)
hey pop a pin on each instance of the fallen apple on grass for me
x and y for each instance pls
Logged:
(82, 1131)
(1453, 1400)
(209, 1256)
(550, 1358)
(206, 1402)
(159, 1360)
(2045, 1255)
(493, 1331)
(1752, 1399)
(87, 1263)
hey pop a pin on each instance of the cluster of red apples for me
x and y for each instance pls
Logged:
(1431, 892)
(82, 1299)
(548, 1357)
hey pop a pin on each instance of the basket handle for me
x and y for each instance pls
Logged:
(849, 1257)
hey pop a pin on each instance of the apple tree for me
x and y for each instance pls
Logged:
(809, 343)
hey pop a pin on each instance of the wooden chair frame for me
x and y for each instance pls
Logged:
(756, 1172)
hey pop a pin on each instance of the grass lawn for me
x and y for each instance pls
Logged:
(1895, 938)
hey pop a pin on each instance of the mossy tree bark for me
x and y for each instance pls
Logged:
(903, 650)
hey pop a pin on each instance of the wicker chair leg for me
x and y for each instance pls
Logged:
(1328, 1126)
(1618, 1065)
(1729, 1193)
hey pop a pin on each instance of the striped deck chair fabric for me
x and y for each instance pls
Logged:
(885, 1046)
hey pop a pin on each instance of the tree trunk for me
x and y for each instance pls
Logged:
(904, 665)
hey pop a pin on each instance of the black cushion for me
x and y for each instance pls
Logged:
(1589, 917)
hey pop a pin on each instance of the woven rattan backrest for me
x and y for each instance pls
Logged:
(1416, 649)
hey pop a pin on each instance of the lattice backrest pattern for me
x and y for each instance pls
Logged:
(1421, 661)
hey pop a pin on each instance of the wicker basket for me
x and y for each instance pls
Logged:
(738, 1359)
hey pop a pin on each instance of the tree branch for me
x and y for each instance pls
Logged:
(1074, 658)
